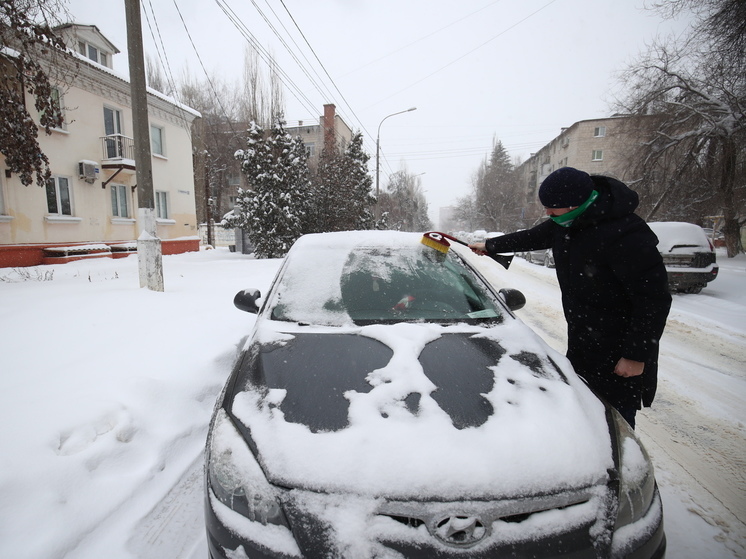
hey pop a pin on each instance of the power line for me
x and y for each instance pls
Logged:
(268, 59)
(452, 62)
(199, 58)
(167, 66)
(421, 38)
(322, 65)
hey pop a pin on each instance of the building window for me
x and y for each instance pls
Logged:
(161, 204)
(598, 155)
(156, 140)
(113, 131)
(310, 148)
(119, 201)
(91, 52)
(58, 196)
(599, 132)
(57, 105)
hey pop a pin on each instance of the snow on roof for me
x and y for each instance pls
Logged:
(126, 79)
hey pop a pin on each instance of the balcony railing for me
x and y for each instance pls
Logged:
(117, 146)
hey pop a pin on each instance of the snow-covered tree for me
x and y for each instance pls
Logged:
(273, 209)
(404, 204)
(341, 198)
(496, 193)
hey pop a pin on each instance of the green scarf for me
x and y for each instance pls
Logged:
(565, 220)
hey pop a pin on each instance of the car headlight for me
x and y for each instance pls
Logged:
(636, 476)
(236, 479)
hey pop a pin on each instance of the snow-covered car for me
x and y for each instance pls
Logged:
(478, 236)
(388, 403)
(688, 255)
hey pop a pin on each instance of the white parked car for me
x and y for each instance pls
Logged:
(688, 255)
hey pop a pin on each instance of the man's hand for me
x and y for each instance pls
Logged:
(478, 248)
(629, 368)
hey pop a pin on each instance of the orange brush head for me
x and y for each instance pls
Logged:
(436, 241)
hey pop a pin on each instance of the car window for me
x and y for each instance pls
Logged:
(379, 284)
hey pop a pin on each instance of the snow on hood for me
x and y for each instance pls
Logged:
(548, 432)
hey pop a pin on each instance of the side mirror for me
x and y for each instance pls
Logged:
(513, 298)
(246, 300)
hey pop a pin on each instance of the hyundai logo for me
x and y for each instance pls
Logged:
(460, 530)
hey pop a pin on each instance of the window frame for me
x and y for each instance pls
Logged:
(100, 57)
(58, 99)
(161, 200)
(599, 132)
(120, 193)
(58, 200)
(597, 155)
(113, 141)
(162, 134)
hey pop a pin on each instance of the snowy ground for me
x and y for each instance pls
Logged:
(107, 390)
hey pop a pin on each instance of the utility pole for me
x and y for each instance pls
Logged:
(149, 253)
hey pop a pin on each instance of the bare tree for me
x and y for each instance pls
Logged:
(227, 113)
(695, 163)
(404, 203)
(154, 76)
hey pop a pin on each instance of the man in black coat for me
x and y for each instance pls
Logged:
(613, 281)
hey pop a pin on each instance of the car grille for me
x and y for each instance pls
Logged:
(495, 525)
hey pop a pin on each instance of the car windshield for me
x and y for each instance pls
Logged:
(326, 285)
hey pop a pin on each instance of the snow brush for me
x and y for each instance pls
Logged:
(439, 241)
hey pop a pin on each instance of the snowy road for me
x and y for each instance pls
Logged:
(694, 432)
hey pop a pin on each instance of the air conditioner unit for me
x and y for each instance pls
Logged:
(88, 171)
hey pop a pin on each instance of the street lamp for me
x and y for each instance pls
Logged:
(378, 155)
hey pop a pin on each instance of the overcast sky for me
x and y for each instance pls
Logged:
(515, 70)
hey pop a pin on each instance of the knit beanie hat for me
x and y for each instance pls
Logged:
(565, 188)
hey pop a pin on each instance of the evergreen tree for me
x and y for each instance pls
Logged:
(325, 196)
(496, 190)
(275, 207)
(341, 197)
(358, 185)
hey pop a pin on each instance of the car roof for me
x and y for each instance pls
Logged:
(672, 234)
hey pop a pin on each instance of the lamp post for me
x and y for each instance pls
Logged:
(378, 166)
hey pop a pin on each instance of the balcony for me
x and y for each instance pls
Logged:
(118, 156)
(118, 150)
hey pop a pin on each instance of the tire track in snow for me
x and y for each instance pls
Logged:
(175, 526)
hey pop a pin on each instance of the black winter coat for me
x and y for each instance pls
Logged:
(614, 290)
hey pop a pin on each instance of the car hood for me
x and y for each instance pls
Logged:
(418, 409)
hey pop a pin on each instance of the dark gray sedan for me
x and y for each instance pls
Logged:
(389, 404)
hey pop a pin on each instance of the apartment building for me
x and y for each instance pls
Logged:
(598, 146)
(89, 206)
(330, 129)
